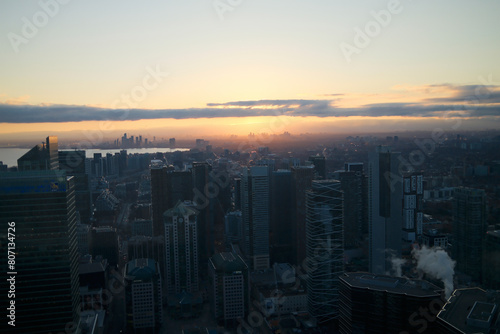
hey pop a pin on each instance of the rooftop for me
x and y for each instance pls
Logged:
(93, 267)
(228, 262)
(141, 269)
(157, 164)
(103, 229)
(470, 310)
(397, 285)
(180, 209)
(482, 311)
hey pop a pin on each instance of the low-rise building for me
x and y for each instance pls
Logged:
(433, 238)
(470, 311)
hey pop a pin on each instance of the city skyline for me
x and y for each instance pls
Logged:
(262, 239)
(230, 166)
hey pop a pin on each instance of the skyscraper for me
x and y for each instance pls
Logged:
(491, 260)
(384, 208)
(103, 241)
(42, 206)
(143, 295)
(469, 230)
(82, 235)
(200, 173)
(281, 217)
(41, 157)
(181, 249)
(255, 215)
(233, 231)
(73, 162)
(159, 189)
(319, 163)
(413, 217)
(325, 248)
(301, 181)
(229, 288)
(353, 183)
(167, 187)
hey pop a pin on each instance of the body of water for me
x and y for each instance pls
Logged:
(9, 155)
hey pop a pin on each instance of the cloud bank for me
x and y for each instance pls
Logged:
(472, 101)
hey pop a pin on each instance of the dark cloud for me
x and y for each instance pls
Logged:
(482, 105)
(469, 94)
(62, 113)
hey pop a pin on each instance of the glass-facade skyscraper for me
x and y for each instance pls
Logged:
(255, 214)
(385, 207)
(469, 230)
(42, 206)
(43, 156)
(324, 247)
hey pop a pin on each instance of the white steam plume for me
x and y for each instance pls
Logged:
(436, 263)
(396, 266)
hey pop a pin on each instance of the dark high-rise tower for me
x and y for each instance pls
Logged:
(469, 230)
(281, 217)
(205, 206)
(384, 208)
(73, 162)
(42, 206)
(41, 157)
(319, 163)
(167, 188)
(354, 182)
(491, 260)
(301, 181)
(255, 214)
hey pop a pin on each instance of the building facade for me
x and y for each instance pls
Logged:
(42, 206)
(44, 156)
(432, 238)
(469, 230)
(229, 288)
(491, 260)
(255, 215)
(301, 181)
(325, 247)
(354, 183)
(167, 188)
(384, 208)
(73, 162)
(387, 305)
(104, 242)
(143, 295)
(181, 249)
(281, 217)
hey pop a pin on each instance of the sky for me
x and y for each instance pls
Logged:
(216, 67)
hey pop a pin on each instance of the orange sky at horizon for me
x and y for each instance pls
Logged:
(98, 132)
